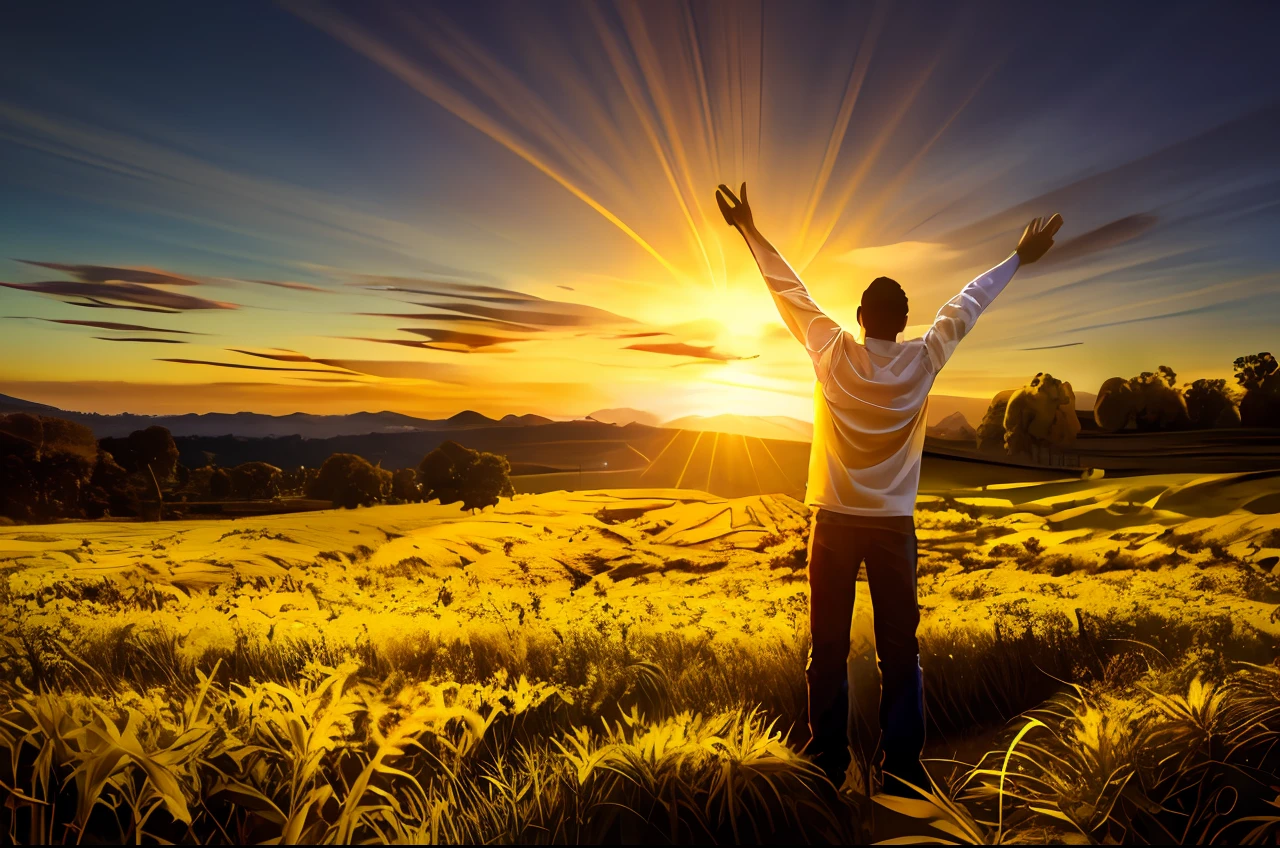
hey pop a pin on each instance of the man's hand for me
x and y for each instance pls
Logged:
(1036, 239)
(739, 213)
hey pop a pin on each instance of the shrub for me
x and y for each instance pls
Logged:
(1147, 402)
(45, 467)
(255, 480)
(1210, 405)
(220, 484)
(453, 473)
(350, 481)
(1257, 375)
(152, 448)
(404, 486)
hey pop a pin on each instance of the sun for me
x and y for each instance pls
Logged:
(743, 309)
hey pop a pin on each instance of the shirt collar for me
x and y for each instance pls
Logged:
(882, 347)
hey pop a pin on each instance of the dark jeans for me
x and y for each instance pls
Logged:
(838, 546)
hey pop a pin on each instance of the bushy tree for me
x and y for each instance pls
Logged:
(453, 473)
(149, 451)
(1147, 402)
(220, 484)
(294, 481)
(251, 480)
(991, 429)
(1210, 405)
(404, 486)
(1040, 416)
(45, 466)
(1257, 375)
(112, 490)
(350, 481)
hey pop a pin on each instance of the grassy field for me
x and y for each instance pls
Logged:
(628, 665)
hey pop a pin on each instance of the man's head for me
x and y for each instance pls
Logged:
(883, 313)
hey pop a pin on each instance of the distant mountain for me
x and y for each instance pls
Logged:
(257, 425)
(755, 426)
(624, 416)
(528, 420)
(13, 404)
(954, 427)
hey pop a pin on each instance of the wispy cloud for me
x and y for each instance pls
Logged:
(1107, 236)
(139, 340)
(113, 274)
(681, 349)
(244, 366)
(289, 284)
(126, 295)
(1052, 347)
(108, 325)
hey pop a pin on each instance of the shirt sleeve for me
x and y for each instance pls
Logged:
(809, 324)
(957, 317)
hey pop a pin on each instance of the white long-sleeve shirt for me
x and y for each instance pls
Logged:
(870, 400)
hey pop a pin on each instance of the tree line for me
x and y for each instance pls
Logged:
(51, 469)
(1041, 416)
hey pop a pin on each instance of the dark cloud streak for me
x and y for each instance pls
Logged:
(108, 273)
(114, 294)
(682, 349)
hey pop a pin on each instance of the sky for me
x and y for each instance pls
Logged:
(509, 207)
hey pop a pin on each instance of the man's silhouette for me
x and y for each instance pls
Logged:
(870, 404)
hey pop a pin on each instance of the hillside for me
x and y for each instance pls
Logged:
(505, 671)
(754, 426)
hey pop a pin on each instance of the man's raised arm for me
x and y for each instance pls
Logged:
(803, 318)
(957, 317)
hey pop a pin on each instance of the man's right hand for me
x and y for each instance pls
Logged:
(1037, 238)
(736, 212)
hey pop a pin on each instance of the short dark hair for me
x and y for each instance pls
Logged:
(883, 302)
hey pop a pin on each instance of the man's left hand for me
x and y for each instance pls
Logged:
(736, 212)
(1037, 238)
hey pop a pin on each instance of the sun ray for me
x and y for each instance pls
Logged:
(711, 466)
(637, 453)
(661, 452)
(632, 87)
(454, 102)
(752, 463)
(886, 134)
(764, 445)
(688, 459)
(835, 141)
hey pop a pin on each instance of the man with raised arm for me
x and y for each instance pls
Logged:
(870, 404)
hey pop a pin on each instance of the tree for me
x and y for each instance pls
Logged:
(350, 481)
(1040, 416)
(1257, 375)
(404, 486)
(220, 484)
(488, 479)
(453, 473)
(1147, 402)
(45, 466)
(152, 448)
(111, 489)
(294, 481)
(251, 480)
(1210, 405)
(991, 430)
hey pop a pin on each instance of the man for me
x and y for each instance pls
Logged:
(870, 404)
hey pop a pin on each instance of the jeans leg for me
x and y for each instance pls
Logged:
(891, 574)
(833, 573)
